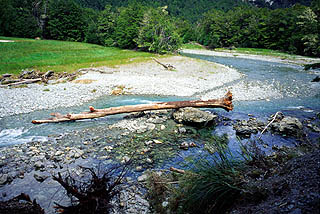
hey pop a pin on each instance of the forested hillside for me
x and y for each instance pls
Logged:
(187, 9)
(161, 26)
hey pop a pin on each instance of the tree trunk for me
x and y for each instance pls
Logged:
(23, 81)
(224, 103)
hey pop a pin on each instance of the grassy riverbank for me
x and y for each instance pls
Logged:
(60, 56)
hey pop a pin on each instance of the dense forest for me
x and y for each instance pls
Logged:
(161, 26)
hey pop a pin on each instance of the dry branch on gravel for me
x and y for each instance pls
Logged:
(166, 66)
(224, 103)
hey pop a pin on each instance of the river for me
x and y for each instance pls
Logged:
(295, 95)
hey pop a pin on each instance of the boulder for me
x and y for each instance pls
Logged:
(290, 126)
(245, 128)
(316, 79)
(40, 177)
(194, 117)
(3, 179)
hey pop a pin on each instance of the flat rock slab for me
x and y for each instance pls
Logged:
(194, 117)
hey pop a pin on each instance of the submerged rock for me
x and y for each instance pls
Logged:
(194, 117)
(3, 179)
(245, 128)
(40, 176)
(288, 126)
(316, 79)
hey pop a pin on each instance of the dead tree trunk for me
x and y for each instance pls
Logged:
(21, 82)
(168, 66)
(224, 103)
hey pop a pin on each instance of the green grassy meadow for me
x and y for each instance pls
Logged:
(60, 56)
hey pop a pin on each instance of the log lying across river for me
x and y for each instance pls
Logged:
(224, 103)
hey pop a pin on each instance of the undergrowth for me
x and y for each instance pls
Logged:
(211, 185)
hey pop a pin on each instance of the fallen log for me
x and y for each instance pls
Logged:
(224, 103)
(166, 66)
(24, 81)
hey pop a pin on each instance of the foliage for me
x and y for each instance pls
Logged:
(127, 26)
(106, 26)
(211, 185)
(59, 56)
(16, 19)
(288, 27)
(158, 33)
(65, 21)
(91, 33)
(293, 30)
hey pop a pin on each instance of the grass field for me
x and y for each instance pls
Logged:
(60, 56)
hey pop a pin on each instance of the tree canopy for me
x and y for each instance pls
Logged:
(162, 25)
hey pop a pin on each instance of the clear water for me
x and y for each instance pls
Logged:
(18, 129)
(301, 98)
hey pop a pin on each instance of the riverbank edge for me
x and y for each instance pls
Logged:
(297, 60)
(191, 76)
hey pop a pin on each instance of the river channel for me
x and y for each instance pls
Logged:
(293, 93)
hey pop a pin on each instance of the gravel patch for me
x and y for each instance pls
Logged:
(191, 76)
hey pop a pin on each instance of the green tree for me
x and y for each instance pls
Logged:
(158, 32)
(210, 29)
(65, 21)
(16, 19)
(127, 26)
(308, 23)
(91, 33)
(106, 26)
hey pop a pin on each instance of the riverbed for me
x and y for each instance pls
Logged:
(260, 88)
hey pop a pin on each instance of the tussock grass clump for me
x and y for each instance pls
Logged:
(211, 185)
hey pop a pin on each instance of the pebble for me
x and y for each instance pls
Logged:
(3, 179)
(40, 176)
(157, 142)
(39, 165)
(58, 153)
(142, 178)
(149, 160)
(139, 168)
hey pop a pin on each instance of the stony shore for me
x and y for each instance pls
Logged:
(190, 77)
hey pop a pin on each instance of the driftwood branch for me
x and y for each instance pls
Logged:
(23, 81)
(273, 119)
(180, 171)
(224, 103)
(168, 66)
